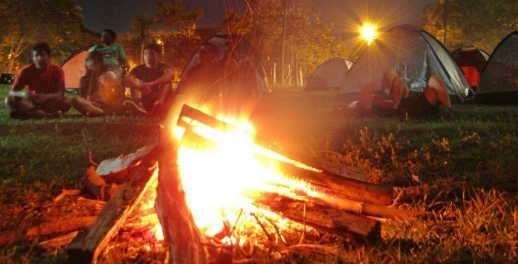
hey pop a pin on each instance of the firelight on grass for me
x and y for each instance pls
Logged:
(369, 32)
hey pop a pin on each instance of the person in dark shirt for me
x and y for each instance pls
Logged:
(45, 84)
(150, 83)
(99, 90)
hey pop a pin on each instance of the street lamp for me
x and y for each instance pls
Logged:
(161, 44)
(369, 32)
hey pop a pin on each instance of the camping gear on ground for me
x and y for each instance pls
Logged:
(329, 75)
(472, 62)
(7, 78)
(414, 54)
(499, 80)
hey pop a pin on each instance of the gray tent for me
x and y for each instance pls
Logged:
(329, 75)
(472, 62)
(414, 54)
(499, 80)
(236, 80)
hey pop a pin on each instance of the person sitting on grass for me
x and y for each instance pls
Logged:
(396, 98)
(45, 83)
(99, 90)
(150, 83)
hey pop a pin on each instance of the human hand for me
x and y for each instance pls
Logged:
(145, 88)
(126, 68)
(32, 95)
(159, 103)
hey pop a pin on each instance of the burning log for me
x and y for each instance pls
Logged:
(368, 209)
(60, 226)
(58, 241)
(64, 193)
(341, 186)
(53, 226)
(322, 217)
(88, 244)
(185, 242)
(342, 170)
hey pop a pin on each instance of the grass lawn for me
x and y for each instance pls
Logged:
(463, 171)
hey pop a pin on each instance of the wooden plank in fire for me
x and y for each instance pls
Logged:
(184, 239)
(342, 186)
(335, 169)
(88, 244)
(321, 217)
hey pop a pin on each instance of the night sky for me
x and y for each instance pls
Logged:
(118, 14)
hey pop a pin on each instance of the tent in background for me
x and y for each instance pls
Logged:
(74, 68)
(472, 61)
(499, 80)
(414, 54)
(329, 75)
(237, 80)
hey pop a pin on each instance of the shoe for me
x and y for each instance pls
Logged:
(390, 112)
(134, 107)
(448, 114)
(18, 115)
(58, 114)
(356, 109)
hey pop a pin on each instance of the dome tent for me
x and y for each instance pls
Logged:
(234, 82)
(499, 80)
(414, 54)
(329, 75)
(74, 68)
(472, 62)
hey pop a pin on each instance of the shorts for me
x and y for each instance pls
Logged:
(50, 106)
(416, 105)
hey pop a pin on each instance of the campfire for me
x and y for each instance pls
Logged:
(223, 190)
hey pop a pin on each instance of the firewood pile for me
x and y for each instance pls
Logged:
(350, 209)
(340, 206)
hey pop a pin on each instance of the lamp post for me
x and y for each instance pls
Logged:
(161, 43)
(445, 21)
(283, 52)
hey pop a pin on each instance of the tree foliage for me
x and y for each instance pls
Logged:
(25, 22)
(307, 36)
(173, 26)
(178, 24)
(479, 23)
(142, 25)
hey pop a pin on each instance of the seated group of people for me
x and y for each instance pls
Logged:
(102, 88)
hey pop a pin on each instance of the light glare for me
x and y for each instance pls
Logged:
(369, 33)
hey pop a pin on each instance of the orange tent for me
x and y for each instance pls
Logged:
(74, 68)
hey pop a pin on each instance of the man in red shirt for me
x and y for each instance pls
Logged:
(45, 86)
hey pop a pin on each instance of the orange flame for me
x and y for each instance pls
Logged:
(223, 171)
